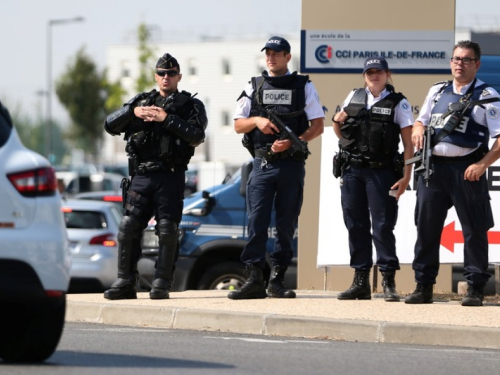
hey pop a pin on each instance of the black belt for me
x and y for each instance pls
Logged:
(270, 156)
(472, 157)
(150, 166)
(364, 163)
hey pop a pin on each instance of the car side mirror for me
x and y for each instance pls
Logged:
(209, 202)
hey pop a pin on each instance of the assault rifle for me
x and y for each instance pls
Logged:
(298, 145)
(423, 157)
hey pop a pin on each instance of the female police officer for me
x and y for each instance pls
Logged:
(373, 177)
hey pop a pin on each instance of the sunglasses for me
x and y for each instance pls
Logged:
(170, 73)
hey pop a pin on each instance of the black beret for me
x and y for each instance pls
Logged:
(167, 61)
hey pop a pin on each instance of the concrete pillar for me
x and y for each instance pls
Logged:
(333, 88)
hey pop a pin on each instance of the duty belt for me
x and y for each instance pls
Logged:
(473, 157)
(270, 156)
(365, 163)
(150, 166)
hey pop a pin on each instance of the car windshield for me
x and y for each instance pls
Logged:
(233, 178)
(85, 220)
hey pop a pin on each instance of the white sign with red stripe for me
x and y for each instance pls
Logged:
(333, 247)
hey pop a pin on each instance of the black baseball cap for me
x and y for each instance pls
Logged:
(278, 44)
(375, 63)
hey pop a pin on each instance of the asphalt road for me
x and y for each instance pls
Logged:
(88, 348)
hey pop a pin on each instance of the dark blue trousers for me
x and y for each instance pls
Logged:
(471, 200)
(281, 183)
(365, 194)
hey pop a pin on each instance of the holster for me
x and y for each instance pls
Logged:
(337, 165)
(399, 165)
(247, 142)
(125, 186)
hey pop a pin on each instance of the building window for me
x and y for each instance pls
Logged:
(226, 67)
(193, 67)
(226, 118)
(125, 69)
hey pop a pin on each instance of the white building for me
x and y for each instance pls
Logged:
(218, 71)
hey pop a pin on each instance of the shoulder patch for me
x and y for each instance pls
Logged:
(492, 112)
(405, 105)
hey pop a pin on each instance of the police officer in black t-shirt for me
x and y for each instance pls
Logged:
(161, 128)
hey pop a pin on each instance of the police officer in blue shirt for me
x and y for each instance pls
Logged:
(278, 174)
(459, 163)
(369, 127)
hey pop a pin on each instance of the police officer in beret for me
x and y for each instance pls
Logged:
(278, 173)
(370, 125)
(459, 162)
(162, 128)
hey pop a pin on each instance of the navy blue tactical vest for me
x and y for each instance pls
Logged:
(469, 133)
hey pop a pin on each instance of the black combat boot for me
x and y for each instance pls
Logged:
(360, 288)
(165, 264)
(161, 289)
(254, 287)
(124, 285)
(389, 285)
(276, 287)
(123, 288)
(474, 296)
(422, 294)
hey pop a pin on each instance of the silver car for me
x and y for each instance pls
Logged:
(92, 228)
(34, 257)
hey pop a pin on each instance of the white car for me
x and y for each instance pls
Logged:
(92, 228)
(34, 254)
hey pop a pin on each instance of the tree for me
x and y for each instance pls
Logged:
(115, 93)
(146, 54)
(89, 97)
(83, 91)
(31, 132)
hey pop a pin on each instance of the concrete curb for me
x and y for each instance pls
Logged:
(283, 325)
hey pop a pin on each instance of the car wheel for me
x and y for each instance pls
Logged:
(31, 336)
(224, 276)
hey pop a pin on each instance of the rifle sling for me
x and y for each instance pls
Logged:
(442, 134)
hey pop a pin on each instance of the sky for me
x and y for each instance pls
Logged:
(24, 25)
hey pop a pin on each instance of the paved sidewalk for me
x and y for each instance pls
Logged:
(311, 314)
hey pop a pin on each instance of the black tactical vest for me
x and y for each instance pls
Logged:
(148, 141)
(371, 133)
(285, 95)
